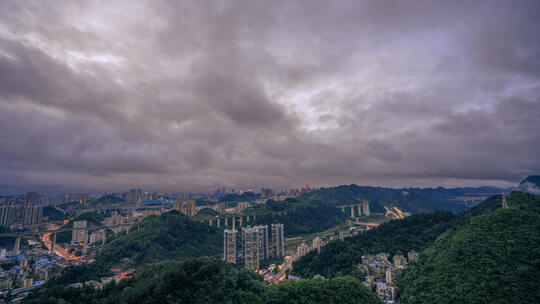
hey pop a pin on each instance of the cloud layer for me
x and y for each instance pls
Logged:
(169, 95)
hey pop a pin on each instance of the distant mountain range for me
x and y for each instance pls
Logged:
(485, 254)
(412, 200)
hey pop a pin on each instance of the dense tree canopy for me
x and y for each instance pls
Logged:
(342, 290)
(170, 235)
(338, 258)
(298, 217)
(483, 255)
(494, 258)
(410, 200)
(54, 214)
(208, 281)
(244, 197)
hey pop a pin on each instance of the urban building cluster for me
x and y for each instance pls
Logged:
(44, 200)
(186, 207)
(303, 248)
(16, 216)
(256, 244)
(22, 271)
(28, 218)
(100, 283)
(382, 274)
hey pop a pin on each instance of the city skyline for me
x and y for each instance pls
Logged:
(171, 96)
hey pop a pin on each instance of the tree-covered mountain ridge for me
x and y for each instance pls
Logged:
(485, 254)
(492, 257)
(202, 281)
(171, 235)
(412, 200)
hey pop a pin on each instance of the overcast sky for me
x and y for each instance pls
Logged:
(191, 95)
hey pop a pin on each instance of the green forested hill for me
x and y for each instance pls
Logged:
(344, 194)
(338, 258)
(493, 258)
(342, 290)
(54, 214)
(246, 196)
(410, 200)
(171, 235)
(205, 214)
(209, 281)
(298, 217)
(416, 232)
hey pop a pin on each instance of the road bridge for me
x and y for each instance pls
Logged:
(363, 208)
(230, 220)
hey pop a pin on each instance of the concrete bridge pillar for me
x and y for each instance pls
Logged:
(359, 209)
(17, 245)
(85, 243)
(343, 209)
(104, 236)
(210, 222)
(240, 223)
(352, 211)
(53, 242)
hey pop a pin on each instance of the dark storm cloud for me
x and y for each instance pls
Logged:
(172, 95)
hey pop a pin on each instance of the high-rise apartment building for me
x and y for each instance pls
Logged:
(229, 245)
(189, 208)
(186, 207)
(221, 208)
(80, 235)
(255, 241)
(317, 244)
(262, 241)
(266, 193)
(98, 235)
(7, 215)
(365, 208)
(278, 240)
(302, 250)
(241, 206)
(32, 214)
(251, 252)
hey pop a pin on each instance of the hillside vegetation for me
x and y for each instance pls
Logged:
(338, 258)
(493, 258)
(409, 200)
(170, 235)
(54, 214)
(209, 281)
(485, 254)
(244, 197)
(298, 217)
